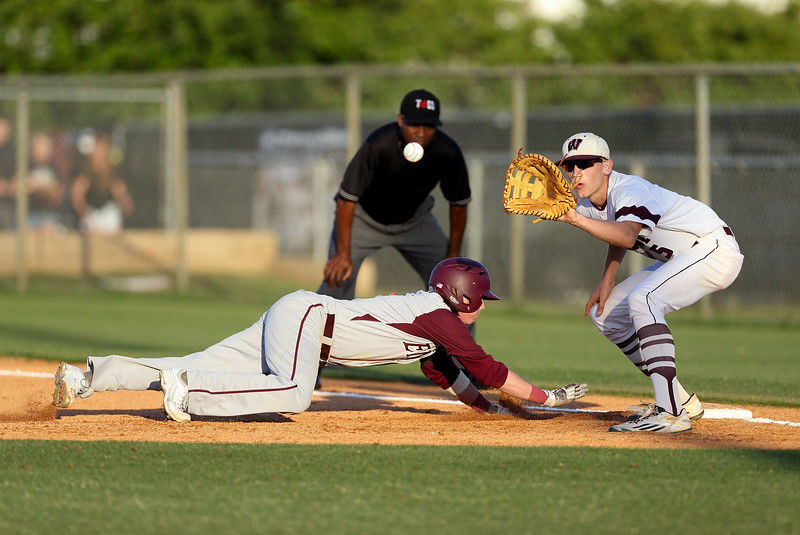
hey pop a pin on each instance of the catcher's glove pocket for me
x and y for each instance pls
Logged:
(534, 185)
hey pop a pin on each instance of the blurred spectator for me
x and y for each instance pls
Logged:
(45, 188)
(7, 171)
(99, 196)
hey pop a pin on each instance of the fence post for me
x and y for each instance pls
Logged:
(176, 172)
(477, 174)
(702, 147)
(353, 114)
(519, 134)
(23, 125)
(321, 171)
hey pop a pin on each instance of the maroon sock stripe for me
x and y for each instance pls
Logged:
(654, 329)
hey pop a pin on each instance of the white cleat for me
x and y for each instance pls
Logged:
(694, 408)
(70, 383)
(658, 421)
(692, 405)
(176, 394)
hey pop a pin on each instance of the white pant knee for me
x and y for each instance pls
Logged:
(615, 325)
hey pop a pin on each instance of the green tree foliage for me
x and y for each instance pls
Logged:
(103, 36)
(152, 35)
(668, 31)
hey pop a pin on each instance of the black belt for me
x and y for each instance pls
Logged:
(325, 350)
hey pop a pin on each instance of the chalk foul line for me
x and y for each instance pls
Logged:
(710, 414)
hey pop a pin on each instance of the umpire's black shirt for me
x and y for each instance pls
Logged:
(390, 188)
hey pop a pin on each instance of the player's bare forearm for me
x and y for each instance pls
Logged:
(458, 224)
(614, 258)
(345, 212)
(619, 233)
(520, 388)
(607, 281)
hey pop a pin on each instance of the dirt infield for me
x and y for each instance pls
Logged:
(26, 412)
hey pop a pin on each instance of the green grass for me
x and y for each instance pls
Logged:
(84, 487)
(124, 487)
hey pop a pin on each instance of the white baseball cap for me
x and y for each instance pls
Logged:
(584, 145)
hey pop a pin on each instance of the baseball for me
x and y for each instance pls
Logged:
(413, 152)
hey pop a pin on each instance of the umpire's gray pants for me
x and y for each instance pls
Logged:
(420, 240)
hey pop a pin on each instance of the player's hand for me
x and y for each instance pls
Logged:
(569, 216)
(595, 298)
(599, 296)
(338, 269)
(494, 408)
(565, 394)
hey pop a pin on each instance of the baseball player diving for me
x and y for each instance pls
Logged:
(695, 254)
(272, 365)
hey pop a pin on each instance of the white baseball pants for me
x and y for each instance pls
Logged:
(634, 314)
(269, 367)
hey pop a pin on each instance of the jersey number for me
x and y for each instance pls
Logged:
(654, 251)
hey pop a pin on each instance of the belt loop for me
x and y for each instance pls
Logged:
(728, 231)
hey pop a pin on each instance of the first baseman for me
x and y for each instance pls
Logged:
(695, 253)
(272, 365)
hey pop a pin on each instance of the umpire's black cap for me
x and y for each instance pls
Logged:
(420, 107)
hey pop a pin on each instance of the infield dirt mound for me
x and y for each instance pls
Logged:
(26, 412)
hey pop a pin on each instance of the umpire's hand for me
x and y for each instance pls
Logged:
(338, 269)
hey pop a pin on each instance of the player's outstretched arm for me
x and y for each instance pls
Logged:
(621, 233)
(518, 387)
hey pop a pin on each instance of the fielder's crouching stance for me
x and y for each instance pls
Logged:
(695, 252)
(272, 366)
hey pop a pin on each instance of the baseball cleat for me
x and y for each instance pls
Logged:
(657, 421)
(70, 383)
(176, 394)
(692, 405)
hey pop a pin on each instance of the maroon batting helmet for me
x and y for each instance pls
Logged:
(462, 282)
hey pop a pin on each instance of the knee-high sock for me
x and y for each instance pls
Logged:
(630, 348)
(658, 353)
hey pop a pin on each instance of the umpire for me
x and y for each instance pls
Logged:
(384, 199)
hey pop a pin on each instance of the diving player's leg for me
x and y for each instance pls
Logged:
(289, 351)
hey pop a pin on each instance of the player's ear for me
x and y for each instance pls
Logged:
(400, 120)
(607, 166)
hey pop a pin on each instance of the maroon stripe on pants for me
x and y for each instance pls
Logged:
(299, 334)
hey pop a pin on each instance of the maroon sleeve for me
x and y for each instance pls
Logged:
(441, 369)
(445, 329)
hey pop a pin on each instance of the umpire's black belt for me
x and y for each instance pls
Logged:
(327, 340)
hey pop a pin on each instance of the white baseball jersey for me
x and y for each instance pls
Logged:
(391, 329)
(672, 223)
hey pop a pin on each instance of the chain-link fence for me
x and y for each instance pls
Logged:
(265, 151)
